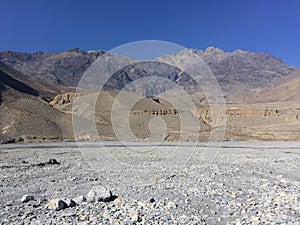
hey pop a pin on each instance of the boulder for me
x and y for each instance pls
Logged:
(101, 194)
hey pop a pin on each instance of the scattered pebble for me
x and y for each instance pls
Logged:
(238, 191)
(171, 205)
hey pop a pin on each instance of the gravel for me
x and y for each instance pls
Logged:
(247, 183)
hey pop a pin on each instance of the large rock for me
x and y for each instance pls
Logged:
(99, 193)
(57, 204)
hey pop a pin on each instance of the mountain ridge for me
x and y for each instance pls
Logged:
(244, 77)
(239, 73)
(68, 66)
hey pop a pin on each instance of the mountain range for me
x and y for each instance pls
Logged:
(30, 81)
(237, 72)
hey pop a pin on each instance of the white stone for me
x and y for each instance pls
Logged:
(70, 202)
(27, 198)
(171, 205)
(99, 193)
(79, 199)
(255, 221)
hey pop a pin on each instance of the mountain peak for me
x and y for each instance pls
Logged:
(239, 51)
(78, 50)
(214, 51)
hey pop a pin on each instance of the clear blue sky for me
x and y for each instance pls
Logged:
(55, 25)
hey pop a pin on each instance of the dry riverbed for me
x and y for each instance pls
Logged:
(108, 183)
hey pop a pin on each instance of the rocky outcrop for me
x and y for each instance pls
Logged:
(62, 100)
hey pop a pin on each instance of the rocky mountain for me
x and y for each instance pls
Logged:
(25, 115)
(12, 79)
(37, 94)
(285, 89)
(237, 72)
(252, 69)
(28, 116)
(63, 68)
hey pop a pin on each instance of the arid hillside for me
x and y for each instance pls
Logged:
(285, 89)
(38, 92)
(25, 113)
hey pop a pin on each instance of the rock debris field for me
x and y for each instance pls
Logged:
(140, 183)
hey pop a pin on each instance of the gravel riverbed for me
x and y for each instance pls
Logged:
(244, 183)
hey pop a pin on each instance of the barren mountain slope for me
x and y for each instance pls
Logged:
(64, 68)
(25, 116)
(237, 72)
(286, 89)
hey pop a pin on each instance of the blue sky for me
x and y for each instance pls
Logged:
(55, 25)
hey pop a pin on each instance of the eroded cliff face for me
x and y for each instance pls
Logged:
(259, 121)
(277, 121)
(139, 116)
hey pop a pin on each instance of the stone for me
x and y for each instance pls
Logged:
(136, 218)
(27, 198)
(84, 218)
(153, 179)
(171, 205)
(117, 201)
(70, 202)
(255, 221)
(79, 199)
(99, 193)
(57, 204)
(141, 204)
(69, 214)
(53, 162)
